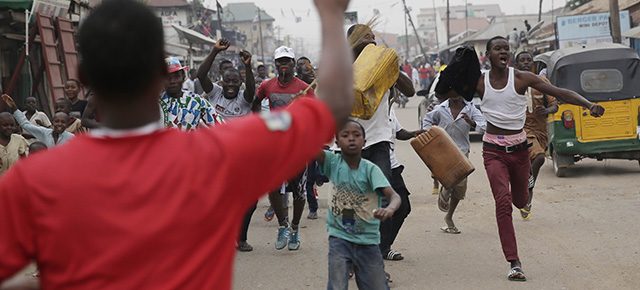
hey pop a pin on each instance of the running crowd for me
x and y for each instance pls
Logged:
(147, 117)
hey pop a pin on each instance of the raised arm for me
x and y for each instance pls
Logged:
(405, 85)
(250, 81)
(204, 68)
(37, 131)
(568, 96)
(335, 60)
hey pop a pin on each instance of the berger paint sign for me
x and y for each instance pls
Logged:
(55, 8)
(593, 28)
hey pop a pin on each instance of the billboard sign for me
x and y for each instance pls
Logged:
(593, 28)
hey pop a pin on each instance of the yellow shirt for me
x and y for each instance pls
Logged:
(11, 153)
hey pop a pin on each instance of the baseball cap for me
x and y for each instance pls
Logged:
(284, 51)
(173, 64)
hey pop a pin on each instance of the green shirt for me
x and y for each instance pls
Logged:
(354, 196)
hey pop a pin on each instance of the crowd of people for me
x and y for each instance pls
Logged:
(177, 147)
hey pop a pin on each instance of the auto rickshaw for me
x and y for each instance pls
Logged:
(606, 74)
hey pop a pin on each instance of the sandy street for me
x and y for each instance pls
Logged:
(583, 233)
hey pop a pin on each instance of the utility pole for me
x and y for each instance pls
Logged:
(614, 16)
(406, 30)
(260, 30)
(540, 11)
(466, 18)
(406, 11)
(435, 24)
(448, 24)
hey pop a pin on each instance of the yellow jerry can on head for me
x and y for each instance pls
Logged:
(374, 72)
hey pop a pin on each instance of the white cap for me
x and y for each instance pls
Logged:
(284, 51)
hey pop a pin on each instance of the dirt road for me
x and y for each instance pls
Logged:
(583, 234)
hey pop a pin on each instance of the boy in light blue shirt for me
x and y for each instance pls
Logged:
(355, 212)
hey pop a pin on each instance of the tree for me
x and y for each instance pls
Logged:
(573, 4)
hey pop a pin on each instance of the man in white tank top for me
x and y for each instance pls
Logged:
(506, 158)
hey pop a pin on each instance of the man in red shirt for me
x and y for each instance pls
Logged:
(141, 218)
(280, 92)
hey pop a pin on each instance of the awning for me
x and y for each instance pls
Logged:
(192, 36)
(16, 4)
(633, 32)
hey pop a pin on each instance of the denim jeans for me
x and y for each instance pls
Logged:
(311, 180)
(366, 260)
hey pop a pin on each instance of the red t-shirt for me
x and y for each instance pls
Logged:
(279, 95)
(407, 69)
(424, 73)
(156, 211)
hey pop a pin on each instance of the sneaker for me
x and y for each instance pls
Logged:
(294, 241)
(312, 215)
(283, 237)
(268, 215)
(532, 182)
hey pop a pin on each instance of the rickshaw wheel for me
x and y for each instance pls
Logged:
(559, 171)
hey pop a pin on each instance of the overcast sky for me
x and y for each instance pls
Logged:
(391, 20)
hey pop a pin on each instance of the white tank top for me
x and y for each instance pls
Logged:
(504, 108)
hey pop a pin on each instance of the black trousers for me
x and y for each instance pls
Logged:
(390, 228)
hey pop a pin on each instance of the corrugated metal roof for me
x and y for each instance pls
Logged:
(597, 6)
(168, 3)
(243, 12)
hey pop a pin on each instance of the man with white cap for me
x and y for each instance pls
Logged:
(181, 108)
(280, 92)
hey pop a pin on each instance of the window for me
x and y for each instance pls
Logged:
(601, 80)
(269, 26)
(255, 27)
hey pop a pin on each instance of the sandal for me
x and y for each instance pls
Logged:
(525, 212)
(443, 204)
(244, 247)
(393, 255)
(450, 230)
(388, 276)
(516, 274)
(268, 215)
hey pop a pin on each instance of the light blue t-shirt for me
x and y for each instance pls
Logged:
(354, 196)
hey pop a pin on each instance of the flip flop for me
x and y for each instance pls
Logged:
(443, 205)
(516, 274)
(449, 230)
(525, 212)
(393, 255)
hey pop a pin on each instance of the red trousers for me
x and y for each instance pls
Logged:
(508, 175)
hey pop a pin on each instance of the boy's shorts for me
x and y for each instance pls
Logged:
(538, 146)
(459, 190)
(297, 186)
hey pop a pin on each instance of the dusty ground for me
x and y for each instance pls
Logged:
(583, 234)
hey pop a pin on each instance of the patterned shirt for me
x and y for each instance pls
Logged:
(188, 112)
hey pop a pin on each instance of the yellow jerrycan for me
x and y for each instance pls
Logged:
(374, 72)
